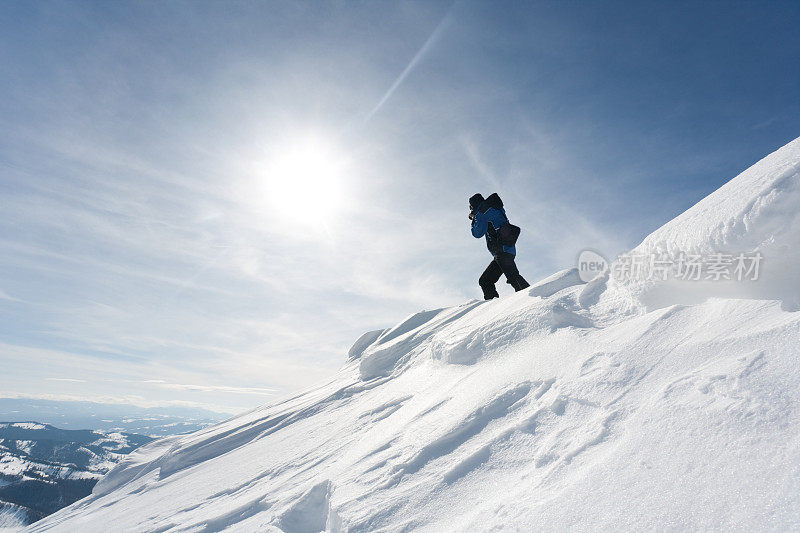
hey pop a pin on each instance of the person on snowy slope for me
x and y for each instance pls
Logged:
(489, 219)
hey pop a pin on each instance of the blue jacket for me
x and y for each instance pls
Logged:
(488, 219)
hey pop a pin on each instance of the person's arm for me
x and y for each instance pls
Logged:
(479, 225)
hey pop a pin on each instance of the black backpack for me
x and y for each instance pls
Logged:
(508, 233)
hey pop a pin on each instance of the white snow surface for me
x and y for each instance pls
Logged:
(22, 425)
(13, 466)
(12, 518)
(567, 406)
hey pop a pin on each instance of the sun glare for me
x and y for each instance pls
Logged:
(304, 183)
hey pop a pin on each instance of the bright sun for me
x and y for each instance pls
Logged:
(304, 183)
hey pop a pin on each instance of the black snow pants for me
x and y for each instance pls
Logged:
(503, 263)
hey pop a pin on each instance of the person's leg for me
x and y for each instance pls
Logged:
(488, 279)
(509, 268)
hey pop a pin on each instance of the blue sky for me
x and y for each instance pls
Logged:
(206, 203)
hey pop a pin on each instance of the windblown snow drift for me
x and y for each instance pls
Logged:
(605, 405)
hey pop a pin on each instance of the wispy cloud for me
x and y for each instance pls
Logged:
(219, 388)
(5, 296)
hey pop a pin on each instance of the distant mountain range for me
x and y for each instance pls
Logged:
(109, 417)
(44, 468)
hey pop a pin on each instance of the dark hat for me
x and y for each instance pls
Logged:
(475, 201)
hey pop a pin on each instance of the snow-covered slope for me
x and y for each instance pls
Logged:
(565, 406)
(12, 517)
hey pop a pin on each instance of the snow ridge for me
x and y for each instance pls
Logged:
(567, 406)
(758, 211)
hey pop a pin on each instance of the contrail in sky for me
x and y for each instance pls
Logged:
(414, 61)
